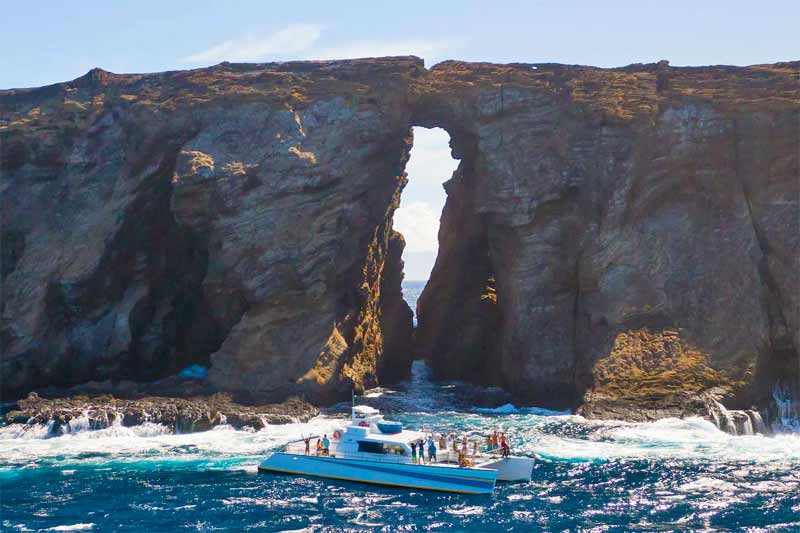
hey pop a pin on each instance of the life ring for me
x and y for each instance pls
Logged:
(364, 424)
(337, 434)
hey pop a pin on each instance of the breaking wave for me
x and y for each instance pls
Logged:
(671, 474)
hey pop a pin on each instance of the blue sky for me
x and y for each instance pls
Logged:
(49, 42)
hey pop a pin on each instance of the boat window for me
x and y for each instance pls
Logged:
(370, 447)
(393, 449)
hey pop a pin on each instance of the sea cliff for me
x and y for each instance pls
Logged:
(608, 231)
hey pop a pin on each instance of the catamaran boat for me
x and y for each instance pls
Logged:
(374, 450)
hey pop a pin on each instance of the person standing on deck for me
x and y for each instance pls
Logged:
(495, 440)
(505, 446)
(326, 445)
(442, 442)
(431, 450)
(413, 451)
(319, 446)
(464, 445)
(421, 448)
(307, 442)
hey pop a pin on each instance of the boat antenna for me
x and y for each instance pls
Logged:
(353, 397)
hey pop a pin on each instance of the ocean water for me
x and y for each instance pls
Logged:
(671, 475)
(411, 291)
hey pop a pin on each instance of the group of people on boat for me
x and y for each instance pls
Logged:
(418, 450)
(323, 446)
(495, 441)
(419, 447)
(461, 446)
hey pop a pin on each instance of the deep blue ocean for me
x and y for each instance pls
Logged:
(671, 475)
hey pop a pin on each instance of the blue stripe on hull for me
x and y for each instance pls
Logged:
(471, 481)
(461, 480)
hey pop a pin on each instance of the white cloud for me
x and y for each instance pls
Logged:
(419, 224)
(256, 46)
(430, 161)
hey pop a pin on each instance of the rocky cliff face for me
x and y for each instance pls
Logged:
(603, 203)
(240, 216)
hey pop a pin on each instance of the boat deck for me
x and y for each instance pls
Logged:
(444, 458)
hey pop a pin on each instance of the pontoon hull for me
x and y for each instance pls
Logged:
(442, 478)
(511, 468)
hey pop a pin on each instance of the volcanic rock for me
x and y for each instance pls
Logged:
(182, 415)
(240, 217)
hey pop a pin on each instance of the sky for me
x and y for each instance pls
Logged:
(59, 41)
(423, 199)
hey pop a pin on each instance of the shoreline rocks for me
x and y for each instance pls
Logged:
(182, 415)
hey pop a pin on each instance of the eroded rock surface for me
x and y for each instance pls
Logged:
(611, 201)
(240, 216)
(182, 415)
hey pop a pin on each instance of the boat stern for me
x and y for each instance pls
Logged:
(511, 468)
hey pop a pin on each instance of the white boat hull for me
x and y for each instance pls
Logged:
(511, 468)
(416, 476)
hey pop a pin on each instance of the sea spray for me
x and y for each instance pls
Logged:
(757, 422)
(670, 474)
(724, 419)
(788, 409)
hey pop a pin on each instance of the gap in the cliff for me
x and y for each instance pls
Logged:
(417, 218)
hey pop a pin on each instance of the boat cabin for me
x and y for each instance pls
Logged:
(369, 435)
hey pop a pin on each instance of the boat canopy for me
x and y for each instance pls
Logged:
(404, 437)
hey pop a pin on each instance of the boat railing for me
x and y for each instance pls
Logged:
(445, 457)
(298, 447)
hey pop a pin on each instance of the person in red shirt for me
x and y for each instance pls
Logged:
(504, 445)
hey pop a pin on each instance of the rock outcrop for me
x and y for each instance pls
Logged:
(240, 216)
(598, 203)
(182, 415)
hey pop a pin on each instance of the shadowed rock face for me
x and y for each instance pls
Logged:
(604, 202)
(240, 216)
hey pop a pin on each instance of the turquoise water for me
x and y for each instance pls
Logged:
(667, 476)
(672, 475)
(411, 292)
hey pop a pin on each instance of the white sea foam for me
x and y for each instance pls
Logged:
(152, 442)
(464, 510)
(691, 438)
(524, 516)
(73, 527)
(553, 436)
(363, 520)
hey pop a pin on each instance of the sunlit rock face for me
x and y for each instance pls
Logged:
(598, 203)
(240, 217)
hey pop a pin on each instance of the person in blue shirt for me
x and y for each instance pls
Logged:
(413, 451)
(431, 450)
(326, 445)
